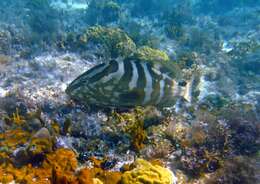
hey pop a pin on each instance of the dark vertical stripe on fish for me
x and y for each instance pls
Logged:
(156, 83)
(124, 81)
(112, 67)
(141, 80)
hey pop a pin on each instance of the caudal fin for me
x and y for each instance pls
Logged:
(188, 90)
(191, 92)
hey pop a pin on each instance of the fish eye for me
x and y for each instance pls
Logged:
(182, 83)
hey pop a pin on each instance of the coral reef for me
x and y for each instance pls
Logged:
(244, 128)
(174, 32)
(41, 143)
(103, 12)
(47, 138)
(132, 124)
(115, 40)
(236, 170)
(32, 157)
(13, 139)
(57, 167)
(176, 18)
(5, 44)
(205, 144)
(42, 18)
(187, 60)
(61, 165)
(100, 174)
(212, 137)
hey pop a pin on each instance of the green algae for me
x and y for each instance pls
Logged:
(103, 12)
(146, 53)
(116, 41)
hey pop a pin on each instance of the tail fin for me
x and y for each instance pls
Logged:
(190, 92)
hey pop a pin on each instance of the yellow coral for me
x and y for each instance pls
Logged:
(115, 40)
(17, 118)
(40, 143)
(99, 176)
(59, 167)
(149, 54)
(64, 158)
(11, 139)
(39, 146)
(85, 176)
(97, 181)
(144, 172)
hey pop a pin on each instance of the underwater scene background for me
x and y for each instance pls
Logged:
(114, 125)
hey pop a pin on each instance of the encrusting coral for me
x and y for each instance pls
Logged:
(61, 161)
(146, 53)
(29, 155)
(29, 158)
(145, 172)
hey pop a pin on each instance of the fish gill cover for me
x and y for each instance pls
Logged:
(129, 91)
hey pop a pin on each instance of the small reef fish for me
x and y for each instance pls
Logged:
(128, 83)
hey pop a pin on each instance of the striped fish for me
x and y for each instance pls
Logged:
(128, 83)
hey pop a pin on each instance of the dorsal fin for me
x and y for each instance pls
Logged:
(170, 68)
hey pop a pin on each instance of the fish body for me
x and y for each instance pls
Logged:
(128, 83)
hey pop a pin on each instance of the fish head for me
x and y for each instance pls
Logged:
(81, 94)
(78, 90)
(75, 91)
(95, 86)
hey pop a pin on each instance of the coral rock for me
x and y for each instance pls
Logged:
(40, 143)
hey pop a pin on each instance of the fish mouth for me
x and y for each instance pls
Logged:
(68, 90)
(71, 91)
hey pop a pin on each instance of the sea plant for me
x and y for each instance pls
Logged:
(235, 170)
(103, 12)
(42, 18)
(146, 53)
(116, 41)
(133, 126)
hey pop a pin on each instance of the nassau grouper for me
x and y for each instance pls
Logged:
(128, 83)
